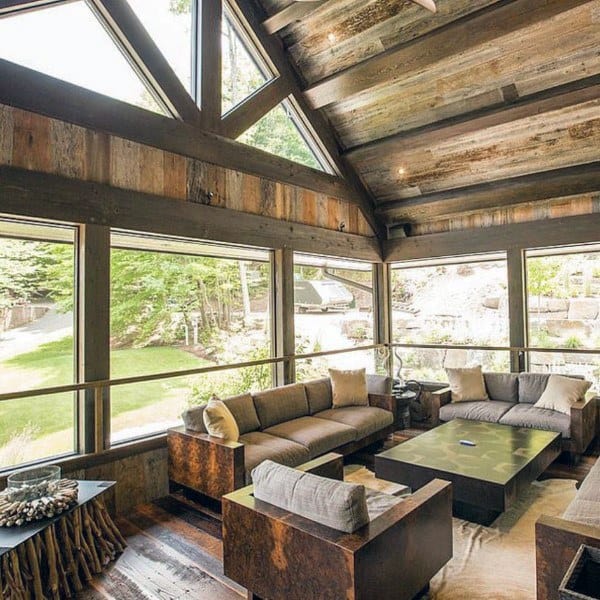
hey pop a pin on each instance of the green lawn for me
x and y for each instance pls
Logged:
(52, 364)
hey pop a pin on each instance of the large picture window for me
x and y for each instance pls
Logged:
(450, 303)
(333, 303)
(180, 305)
(37, 315)
(564, 310)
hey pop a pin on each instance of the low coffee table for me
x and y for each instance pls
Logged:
(486, 478)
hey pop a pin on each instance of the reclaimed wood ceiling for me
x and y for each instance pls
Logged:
(486, 104)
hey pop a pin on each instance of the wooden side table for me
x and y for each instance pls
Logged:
(53, 558)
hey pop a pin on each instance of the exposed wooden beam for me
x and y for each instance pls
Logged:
(580, 229)
(556, 98)
(409, 59)
(253, 14)
(36, 92)
(291, 14)
(211, 15)
(517, 305)
(33, 194)
(256, 106)
(145, 57)
(284, 318)
(558, 183)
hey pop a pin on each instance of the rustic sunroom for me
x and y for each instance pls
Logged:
(300, 299)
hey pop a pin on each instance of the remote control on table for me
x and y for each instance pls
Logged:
(467, 443)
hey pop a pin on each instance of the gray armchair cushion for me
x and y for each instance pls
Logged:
(525, 415)
(259, 446)
(379, 503)
(341, 506)
(318, 394)
(379, 384)
(585, 507)
(483, 410)
(243, 411)
(502, 386)
(193, 418)
(365, 419)
(281, 404)
(318, 435)
(532, 386)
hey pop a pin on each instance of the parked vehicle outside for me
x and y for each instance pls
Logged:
(321, 295)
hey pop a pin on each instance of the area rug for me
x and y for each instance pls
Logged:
(496, 562)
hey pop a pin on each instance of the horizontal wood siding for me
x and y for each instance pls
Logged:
(35, 142)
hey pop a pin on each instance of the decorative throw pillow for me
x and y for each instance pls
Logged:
(349, 388)
(219, 421)
(561, 393)
(467, 385)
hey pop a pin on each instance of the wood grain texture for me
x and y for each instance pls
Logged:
(48, 145)
(297, 556)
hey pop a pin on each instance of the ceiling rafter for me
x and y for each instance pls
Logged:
(210, 84)
(411, 58)
(146, 58)
(557, 98)
(558, 183)
(253, 108)
(291, 14)
(254, 16)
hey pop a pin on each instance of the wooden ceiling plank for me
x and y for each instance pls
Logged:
(291, 14)
(399, 62)
(553, 99)
(211, 15)
(149, 62)
(251, 12)
(253, 108)
(545, 185)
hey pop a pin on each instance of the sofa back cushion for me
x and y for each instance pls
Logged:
(193, 418)
(341, 506)
(532, 386)
(502, 386)
(244, 413)
(318, 394)
(281, 404)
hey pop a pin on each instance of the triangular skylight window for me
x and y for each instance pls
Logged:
(243, 70)
(169, 22)
(279, 133)
(68, 42)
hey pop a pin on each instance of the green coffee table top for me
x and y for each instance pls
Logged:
(501, 452)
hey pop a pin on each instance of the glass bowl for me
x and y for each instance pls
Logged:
(29, 484)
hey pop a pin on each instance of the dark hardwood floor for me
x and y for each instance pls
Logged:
(175, 548)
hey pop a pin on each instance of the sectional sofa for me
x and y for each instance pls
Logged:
(512, 399)
(288, 425)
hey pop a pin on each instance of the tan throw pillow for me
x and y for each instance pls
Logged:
(219, 421)
(561, 393)
(349, 388)
(467, 385)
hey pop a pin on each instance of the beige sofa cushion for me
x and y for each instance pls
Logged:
(318, 394)
(318, 435)
(561, 393)
(281, 404)
(259, 446)
(341, 506)
(365, 419)
(243, 411)
(219, 421)
(349, 388)
(467, 384)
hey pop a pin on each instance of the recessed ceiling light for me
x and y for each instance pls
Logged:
(401, 171)
(331, 37)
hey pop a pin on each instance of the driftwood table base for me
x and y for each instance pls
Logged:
(57, 562)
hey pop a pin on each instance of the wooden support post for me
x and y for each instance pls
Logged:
(211, 14)
(94, 335)
(382, 310)
(283, 326)
(517, 306)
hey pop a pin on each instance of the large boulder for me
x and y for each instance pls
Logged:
(583, 308)
(567, 327)
(548, 305)
(492, 302)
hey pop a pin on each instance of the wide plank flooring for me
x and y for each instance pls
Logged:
(175, 549)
